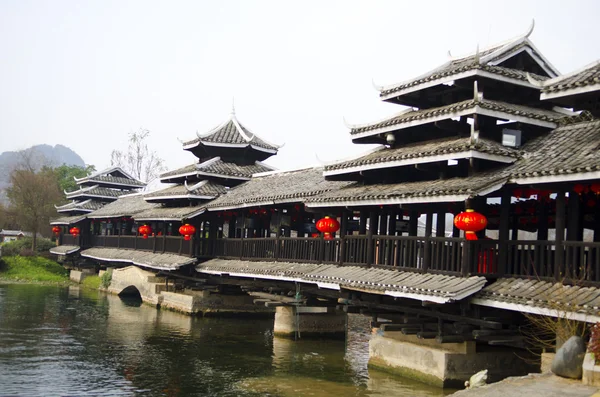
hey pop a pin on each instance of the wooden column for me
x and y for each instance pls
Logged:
(362, 223)
(504, 229)
(574, 221)
(560, 232)
(372, 228)
(542, 213)
(343, 232)
(440, 224)
(413, 222)
(427, 247)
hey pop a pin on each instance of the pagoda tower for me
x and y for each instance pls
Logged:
(228, 155)
(96, 190)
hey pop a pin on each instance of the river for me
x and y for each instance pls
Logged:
(67, 341)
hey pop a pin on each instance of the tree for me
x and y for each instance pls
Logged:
(138, 160)
(66, 175)
(32, 196)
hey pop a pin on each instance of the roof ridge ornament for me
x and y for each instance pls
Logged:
(477, 58)
(449, 55)
(530, 30)
(194, 187)
(533, 81)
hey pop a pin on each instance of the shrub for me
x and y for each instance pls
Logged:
(23, 246)
(106, 279)
(594, 343)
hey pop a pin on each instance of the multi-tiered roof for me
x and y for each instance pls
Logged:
(95, 191)
(228, 155)
(453, 139)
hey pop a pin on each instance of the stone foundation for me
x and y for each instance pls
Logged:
(152, 290)
(448, 364)
(79, 275)
(291, 321)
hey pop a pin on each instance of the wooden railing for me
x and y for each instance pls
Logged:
(158, 244)
(575, 261)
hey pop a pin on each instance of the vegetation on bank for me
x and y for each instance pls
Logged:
(91, 282)
(32, 269)
(22, 247)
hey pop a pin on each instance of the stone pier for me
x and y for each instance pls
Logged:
(291, 321)
(79, 275)
(153, 291)
(445, 364)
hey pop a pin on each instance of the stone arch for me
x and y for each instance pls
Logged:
(132, 290)
(128, 279)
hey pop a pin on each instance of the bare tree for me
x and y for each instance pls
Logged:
(138, 160)
(32, 197)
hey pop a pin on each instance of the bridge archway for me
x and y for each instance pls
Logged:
(132, 280)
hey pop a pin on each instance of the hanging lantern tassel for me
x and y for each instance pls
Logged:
(470, 222)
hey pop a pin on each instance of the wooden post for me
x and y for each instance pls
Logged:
(573, 222)
(370, 245)
(343, 231)
(560, 235)
(277, 241)
(362, 225)
(440, 224)
(413, 222)
(427, 242)
(504, 231)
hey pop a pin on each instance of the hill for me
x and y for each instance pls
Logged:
(38, 156)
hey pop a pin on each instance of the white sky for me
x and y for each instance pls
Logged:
(86, 73)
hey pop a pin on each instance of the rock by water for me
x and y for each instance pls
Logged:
(568, 361)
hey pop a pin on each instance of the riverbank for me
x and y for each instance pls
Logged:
(32, 269)
(547, 385)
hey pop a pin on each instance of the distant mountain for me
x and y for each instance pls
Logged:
(38, 156)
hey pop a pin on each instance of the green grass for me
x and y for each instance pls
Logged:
(92, 282)
(32, 268)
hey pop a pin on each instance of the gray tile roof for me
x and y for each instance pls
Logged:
(207, 189)
(112, 180)
(411, 192)
(425, 287)
(124, 206)
(290, 186)
(228, 133)
(96, 191)
(218, 167)
(590, 75)
(457, 67)
(427, 149)
(67, 220)
(542, 297)
(64, 249)
(81, 206)
(497, 106)
(568, 149)
(140, 258)
(170, 213)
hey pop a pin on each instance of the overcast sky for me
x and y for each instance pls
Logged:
(86, 73)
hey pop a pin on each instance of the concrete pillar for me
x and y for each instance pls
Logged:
(447, 364)
(291, 321)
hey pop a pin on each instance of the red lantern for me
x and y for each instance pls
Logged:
(327, 226)
(595, 188)
(471, 222)
(145, 230)
(518, 193)
(56, 230)
(74, 231)
(187, 231)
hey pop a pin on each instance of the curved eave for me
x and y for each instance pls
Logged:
(421, 160)
(229, 145)
(65, 251)
(476, 109)
(85, 195)
(416, 199)
(74, 209)
(563, 94)
(453, 77)
(179, 197)
(110, 184)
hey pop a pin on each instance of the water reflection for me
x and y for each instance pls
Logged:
(71, 341)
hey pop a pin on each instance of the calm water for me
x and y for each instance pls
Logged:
(57, 341)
